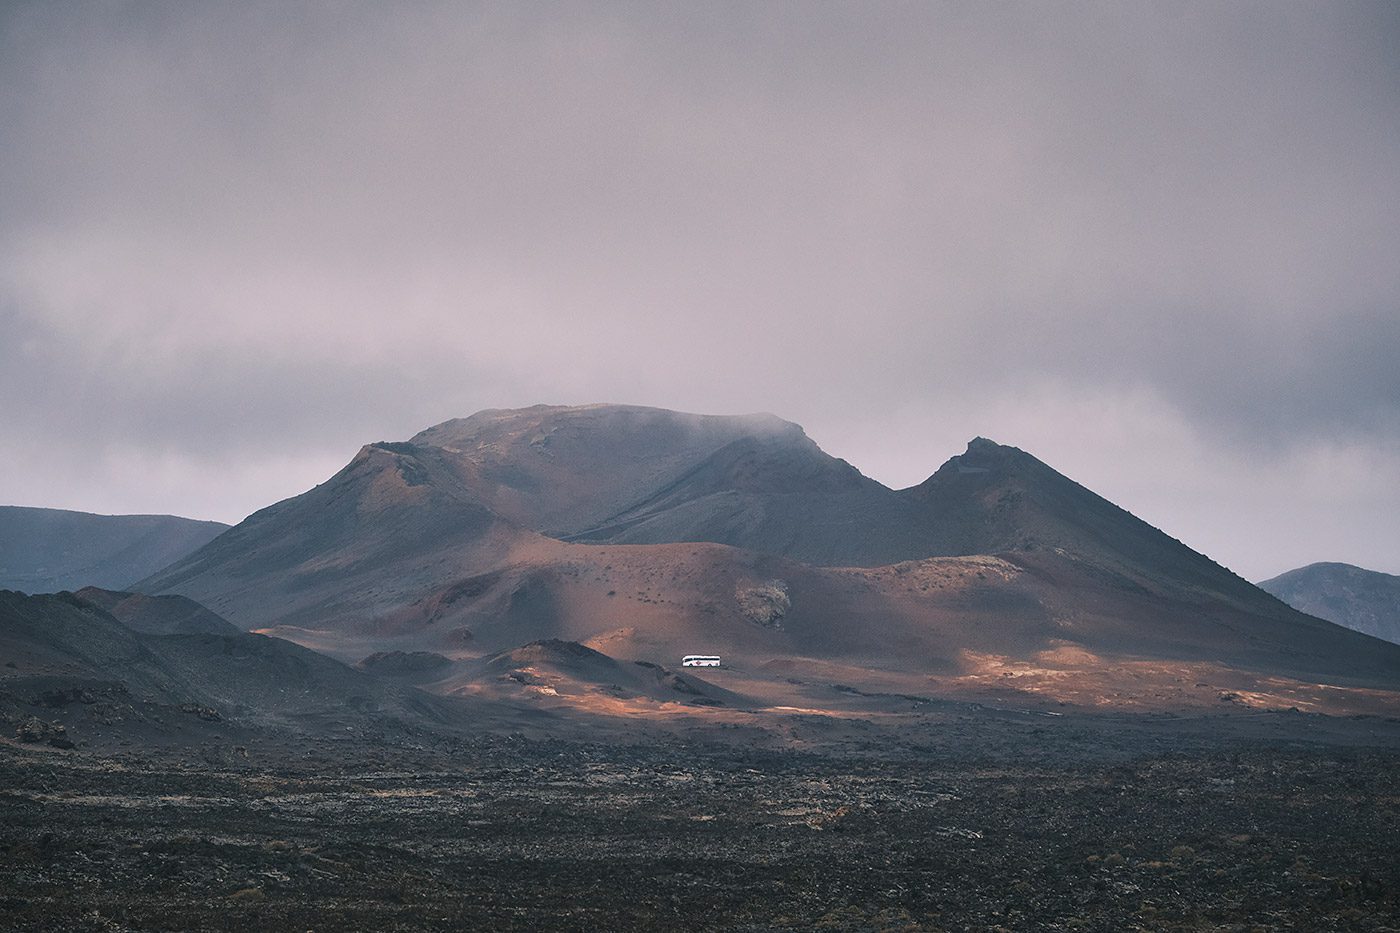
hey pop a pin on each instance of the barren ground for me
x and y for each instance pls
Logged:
(964, 821)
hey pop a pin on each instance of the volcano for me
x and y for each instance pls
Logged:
(648, 534)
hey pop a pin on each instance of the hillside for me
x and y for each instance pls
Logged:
(395, 522)
(157, 615)
(994, 498)
(581, 676)
(70, 661)
(47, 550)
(1364, 600)
(1042, 618)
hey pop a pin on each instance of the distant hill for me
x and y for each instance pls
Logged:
(1365, 600)
(158, 615)
(67, 658)
(47, 550)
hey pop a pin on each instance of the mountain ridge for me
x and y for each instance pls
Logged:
(47, 550)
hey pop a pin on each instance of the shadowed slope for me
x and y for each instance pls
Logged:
(780, 495)
(63, 636)
(994, 498)
(71, 656)
(395, 522)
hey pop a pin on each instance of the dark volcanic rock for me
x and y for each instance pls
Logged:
(1014, 827)
(206, 713)
(404, 663)
(34, 730)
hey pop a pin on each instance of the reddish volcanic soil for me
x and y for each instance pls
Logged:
(1015, 629)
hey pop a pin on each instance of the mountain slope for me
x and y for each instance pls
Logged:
(944, 615)
(1364, 600)
(779, 495)
(46, 550)
(395, 522)
(994, 498)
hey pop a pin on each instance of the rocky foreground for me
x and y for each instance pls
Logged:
(1219, 823)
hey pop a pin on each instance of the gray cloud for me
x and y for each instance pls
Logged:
(237, 236)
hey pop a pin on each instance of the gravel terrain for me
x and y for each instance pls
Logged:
(1122, 825)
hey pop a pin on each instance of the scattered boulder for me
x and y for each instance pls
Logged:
(34, 730)
(765, 604)
(206, 713)
(459, 637)
(31, 730)
(57, 699)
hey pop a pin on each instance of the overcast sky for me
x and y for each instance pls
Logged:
(1157, 245)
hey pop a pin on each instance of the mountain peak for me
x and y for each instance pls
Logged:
(537, 424)
(984, 459)
(981, 447)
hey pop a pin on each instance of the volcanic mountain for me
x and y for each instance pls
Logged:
(1364, 600)
(647, 534)
(474, 494)
(46, 550)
